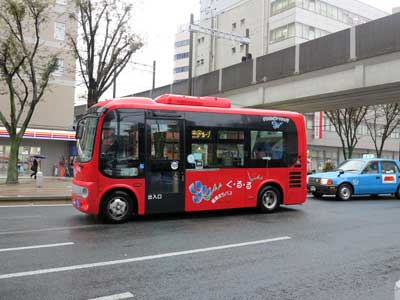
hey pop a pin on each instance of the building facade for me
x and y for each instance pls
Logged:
(324, 143)
(49, 133)
(293, 22)
(272, 25)
(181, 54)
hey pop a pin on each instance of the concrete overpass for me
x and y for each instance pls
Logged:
(354, 67)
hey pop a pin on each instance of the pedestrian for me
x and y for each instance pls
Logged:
(34, 168)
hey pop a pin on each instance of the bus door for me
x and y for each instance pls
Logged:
(165, 180)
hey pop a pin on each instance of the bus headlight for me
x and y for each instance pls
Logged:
(326, 181)
(80, 191)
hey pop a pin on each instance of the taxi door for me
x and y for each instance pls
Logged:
(370, 179)
(390, 177)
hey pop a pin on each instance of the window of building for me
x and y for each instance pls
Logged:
(59, 31)
(311, 5)
(182, 43)
(282, 33)
(181, 69)
(234, 26)
(242, 22)
(233, 50)
(181, 55)
(60, 68)
(311, 32)
(281, 5)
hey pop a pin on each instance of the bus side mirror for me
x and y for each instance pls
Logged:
(79, 130)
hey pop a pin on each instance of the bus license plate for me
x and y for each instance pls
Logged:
(313, 188)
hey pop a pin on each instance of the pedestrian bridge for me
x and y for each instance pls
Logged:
(354, 67)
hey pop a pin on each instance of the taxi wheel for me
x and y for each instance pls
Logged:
(116, 207)
(397, 194)
(269, 199)
(344, 192)
(317, 195)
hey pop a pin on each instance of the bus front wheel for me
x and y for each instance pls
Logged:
(269, 199)
(116, 207)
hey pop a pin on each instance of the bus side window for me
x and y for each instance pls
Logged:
(202, 147)
(267, 148)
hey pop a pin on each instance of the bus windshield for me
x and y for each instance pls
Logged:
(86, 135)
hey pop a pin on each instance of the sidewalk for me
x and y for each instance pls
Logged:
(54, 188)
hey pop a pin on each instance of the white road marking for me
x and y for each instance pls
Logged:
(51, 229)
(33, 205)
(137, 259)
(115, 297)
(36, 247)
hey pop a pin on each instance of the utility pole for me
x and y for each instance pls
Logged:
(247, 45)
(154, 79)
(115, 85)
(190, 85)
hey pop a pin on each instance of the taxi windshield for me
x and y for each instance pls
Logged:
(352, 166)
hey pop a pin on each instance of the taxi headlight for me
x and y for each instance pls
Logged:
(326, 181)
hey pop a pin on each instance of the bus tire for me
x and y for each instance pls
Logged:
(116, 207)
(269, 199)
(344, 192)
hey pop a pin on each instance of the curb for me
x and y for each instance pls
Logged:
(34, 198)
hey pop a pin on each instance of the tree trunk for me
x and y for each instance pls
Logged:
(12, 172)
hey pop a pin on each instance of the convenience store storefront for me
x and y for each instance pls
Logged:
(52, 144)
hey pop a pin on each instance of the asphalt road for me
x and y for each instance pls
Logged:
(324, 249)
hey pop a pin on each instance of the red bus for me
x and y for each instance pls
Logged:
(179, 154)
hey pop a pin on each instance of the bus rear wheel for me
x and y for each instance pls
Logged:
(269, 199)
(116, 207)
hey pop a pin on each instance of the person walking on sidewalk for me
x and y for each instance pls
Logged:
(34, 168)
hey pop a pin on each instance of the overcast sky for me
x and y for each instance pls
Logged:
(157, 21)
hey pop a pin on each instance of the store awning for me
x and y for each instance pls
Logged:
(44, 134)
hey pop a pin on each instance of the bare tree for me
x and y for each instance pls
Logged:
(105, 45)
(381, 121)
(25, 68)
(346, 122)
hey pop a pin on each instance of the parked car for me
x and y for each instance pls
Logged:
(358, 177)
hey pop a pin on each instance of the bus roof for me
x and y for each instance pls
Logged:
(195, 105)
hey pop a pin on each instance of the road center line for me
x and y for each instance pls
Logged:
(137, 259)
(51, 229)
(115, 297)
(36, 247)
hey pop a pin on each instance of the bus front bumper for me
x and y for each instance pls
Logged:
(83, 197)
